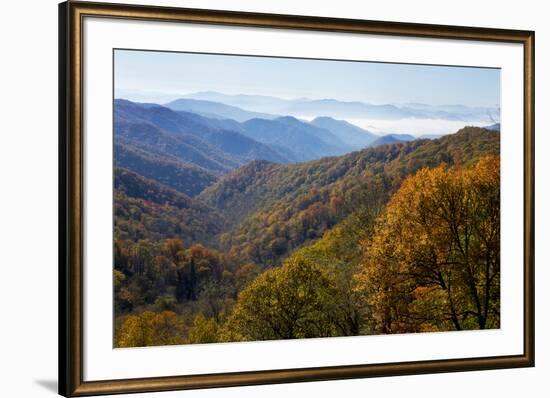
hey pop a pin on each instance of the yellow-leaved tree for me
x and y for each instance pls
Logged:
(151, 329)
(433, 260)
(203, 331)
(293, 301)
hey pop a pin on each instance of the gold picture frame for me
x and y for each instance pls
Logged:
(71, 239)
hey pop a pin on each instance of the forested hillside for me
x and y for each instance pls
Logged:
(427, 261)
(147, 210)
(215, 240)
(276, 208)
(170, 171)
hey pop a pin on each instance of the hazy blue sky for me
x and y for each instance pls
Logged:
(153, 74)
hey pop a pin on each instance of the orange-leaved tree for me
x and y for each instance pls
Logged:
(433, 260)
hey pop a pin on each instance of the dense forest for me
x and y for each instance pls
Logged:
(224, 233)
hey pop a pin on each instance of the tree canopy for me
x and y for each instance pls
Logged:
(293, 301)
(433, 262)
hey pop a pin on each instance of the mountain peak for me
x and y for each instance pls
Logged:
(323, 118)
(288, 119)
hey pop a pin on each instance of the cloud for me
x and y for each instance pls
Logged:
(415, 127)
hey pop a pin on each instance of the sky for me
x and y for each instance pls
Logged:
(161, 76)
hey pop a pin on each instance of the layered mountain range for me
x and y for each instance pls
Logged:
(188, 132)
(268, 106)
(261, 186)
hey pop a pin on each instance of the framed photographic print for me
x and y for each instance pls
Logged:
(251, 198)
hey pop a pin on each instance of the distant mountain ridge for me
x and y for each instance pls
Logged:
(343, 136)
(192, 137)
(302, 107)
(303, 140)
(151, 139)
(215, 110)
(188, 137)
(354, 136)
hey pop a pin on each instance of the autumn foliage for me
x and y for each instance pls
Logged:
(395, 239)
(294, 301)
(433, 262)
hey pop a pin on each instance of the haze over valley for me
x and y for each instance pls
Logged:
(408, 118)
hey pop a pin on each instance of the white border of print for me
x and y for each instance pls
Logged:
(101, 361)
